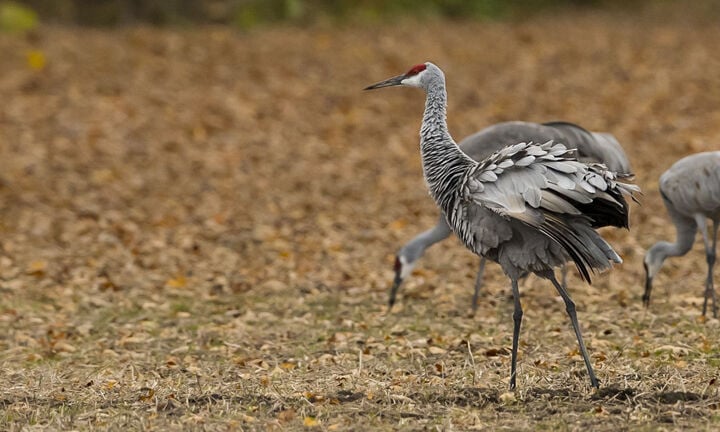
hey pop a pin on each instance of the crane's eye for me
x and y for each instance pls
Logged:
(416, 69)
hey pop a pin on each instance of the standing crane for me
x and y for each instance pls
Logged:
(591, 147)
(690, 189)
(529, 207)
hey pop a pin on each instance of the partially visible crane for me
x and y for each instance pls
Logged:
(591, 147)
(690, 189)
(529, 207)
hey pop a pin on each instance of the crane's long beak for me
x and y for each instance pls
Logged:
(396, 283)
(394, 81)
(648, 288)
(394, 290)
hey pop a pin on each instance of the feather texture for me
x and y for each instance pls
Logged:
(541, 186)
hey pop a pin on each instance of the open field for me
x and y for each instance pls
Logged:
(197, 228)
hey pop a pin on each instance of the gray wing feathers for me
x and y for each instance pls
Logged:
(507, 194)
(591, 146)
(516, 176)
(594, 146)
(554, 203)
(540, 185)
(488, 228)
(610, 153)
(482, 144)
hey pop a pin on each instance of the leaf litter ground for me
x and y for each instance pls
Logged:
(198, 229)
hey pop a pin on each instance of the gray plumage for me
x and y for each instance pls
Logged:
(590, 146)
(530, 206)
(691, 192)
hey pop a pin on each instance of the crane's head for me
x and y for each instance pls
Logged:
(417, 76)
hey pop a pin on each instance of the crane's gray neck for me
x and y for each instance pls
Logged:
(682, 245)
(444, 164)
(686, 229)
(415, 247)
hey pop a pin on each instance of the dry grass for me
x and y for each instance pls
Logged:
(197, 229)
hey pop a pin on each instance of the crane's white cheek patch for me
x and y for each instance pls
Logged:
(413, 81)
(406, 268)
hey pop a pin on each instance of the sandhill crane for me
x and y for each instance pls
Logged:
(691, 192)
(529, 207)
(591, 147)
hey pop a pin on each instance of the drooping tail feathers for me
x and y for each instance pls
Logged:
(588, 250)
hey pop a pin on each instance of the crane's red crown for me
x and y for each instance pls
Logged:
(416, 69)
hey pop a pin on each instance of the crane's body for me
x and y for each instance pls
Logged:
(590, 147)
(529, 207)
(690, 189)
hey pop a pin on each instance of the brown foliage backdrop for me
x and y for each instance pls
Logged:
(198, 228)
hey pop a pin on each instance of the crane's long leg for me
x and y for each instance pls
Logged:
(478, 284)
(709, 286)
(710, 257)
(397, 281)
(570, 307)
(517, 320)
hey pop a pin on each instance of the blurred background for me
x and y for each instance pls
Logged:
(250, 13)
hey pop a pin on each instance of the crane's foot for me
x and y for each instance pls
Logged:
(704, 309)
(473, 310)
